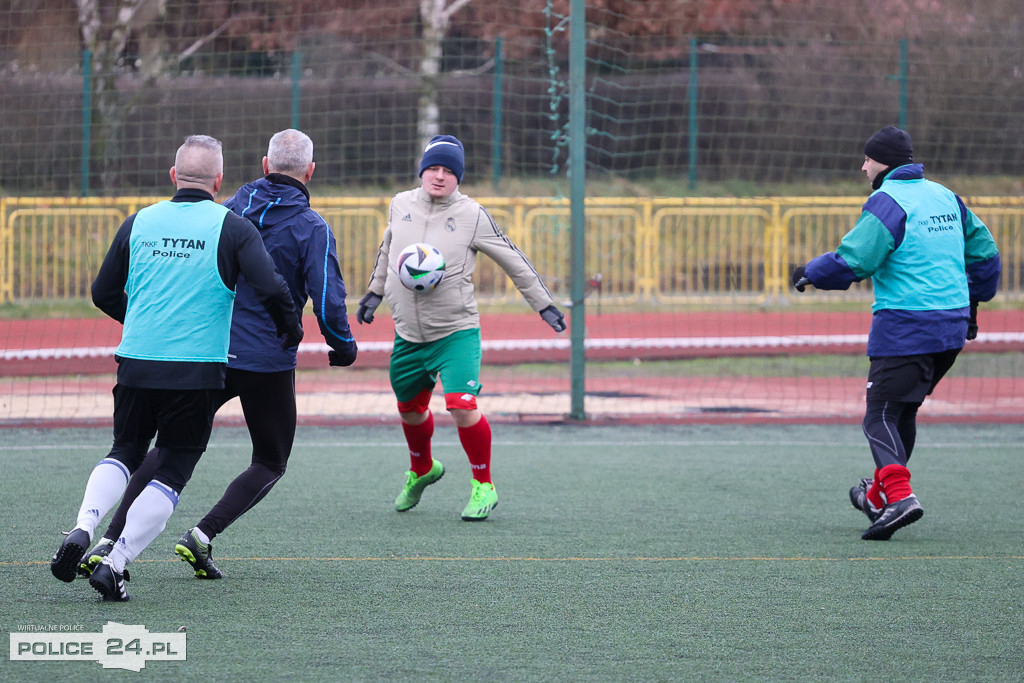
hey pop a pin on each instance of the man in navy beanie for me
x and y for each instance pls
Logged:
(447, 151)
(930, 260)
(437, 332)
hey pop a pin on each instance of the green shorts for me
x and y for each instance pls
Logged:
(454, 359)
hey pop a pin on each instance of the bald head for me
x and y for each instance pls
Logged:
(290, 152)
(199, 163)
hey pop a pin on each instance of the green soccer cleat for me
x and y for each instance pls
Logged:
(414, 486)
(91, 559)
(483, 500)
(198, 554)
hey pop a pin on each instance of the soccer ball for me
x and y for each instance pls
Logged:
(420, 267)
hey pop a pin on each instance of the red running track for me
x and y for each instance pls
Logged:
(62, 346)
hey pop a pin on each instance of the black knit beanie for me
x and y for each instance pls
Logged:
(890, 146)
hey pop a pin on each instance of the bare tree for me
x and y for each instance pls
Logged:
(436, 17)
(106, 44)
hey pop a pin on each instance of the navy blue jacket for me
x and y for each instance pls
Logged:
(303, 248)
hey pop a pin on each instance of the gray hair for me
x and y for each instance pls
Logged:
(199, 160)
(290, 152)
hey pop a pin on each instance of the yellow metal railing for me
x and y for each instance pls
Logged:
(660, 250)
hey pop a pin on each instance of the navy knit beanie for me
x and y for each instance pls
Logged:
(890, 146)
(447, 151)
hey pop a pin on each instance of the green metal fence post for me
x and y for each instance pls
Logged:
(296, 74)
(692, 133)
(902, 77)
(577, 194)
(496, 116)
(86, 119)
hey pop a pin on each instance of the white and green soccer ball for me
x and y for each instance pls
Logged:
(420, 267)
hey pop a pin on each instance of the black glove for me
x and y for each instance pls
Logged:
(367, 305)
(552, 316)
(291, 338)
(343, 358)
(798, 278)
(972, 324)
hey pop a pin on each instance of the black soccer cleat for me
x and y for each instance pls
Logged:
(91, 559)
(198, 554)
(109, 583)
(64, 564)
(893, 517)
(859, 500)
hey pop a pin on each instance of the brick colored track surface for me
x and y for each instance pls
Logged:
(533, 380)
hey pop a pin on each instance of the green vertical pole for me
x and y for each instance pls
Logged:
(904, 70)
(577, 193)
(86, 119)
(296, 78)
(692, 133)
(496, 107)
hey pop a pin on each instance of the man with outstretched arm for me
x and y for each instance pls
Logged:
(930, 260)
(437, 333)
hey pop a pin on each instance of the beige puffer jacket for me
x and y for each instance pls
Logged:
(459, 227)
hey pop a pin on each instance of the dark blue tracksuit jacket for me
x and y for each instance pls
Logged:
(303, 249)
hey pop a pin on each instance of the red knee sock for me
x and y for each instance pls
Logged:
(418, 438)
(895, 482)
(476, 441)
(875, 492)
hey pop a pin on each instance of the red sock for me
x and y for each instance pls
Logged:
(418, 438)
(875, 492)
(895, 482)
(476, 441)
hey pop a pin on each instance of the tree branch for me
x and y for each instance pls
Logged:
(454, 7)
(194, 47)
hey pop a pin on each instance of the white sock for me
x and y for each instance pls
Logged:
(106, 485)
(203, 538)
(146, 518)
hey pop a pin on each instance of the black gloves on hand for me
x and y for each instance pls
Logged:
(972, 324)
(291, 338)
(799, 279)
(344, 357)
(552, 316)
(367, 305)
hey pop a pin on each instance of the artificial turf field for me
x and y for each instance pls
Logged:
(616, 553)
